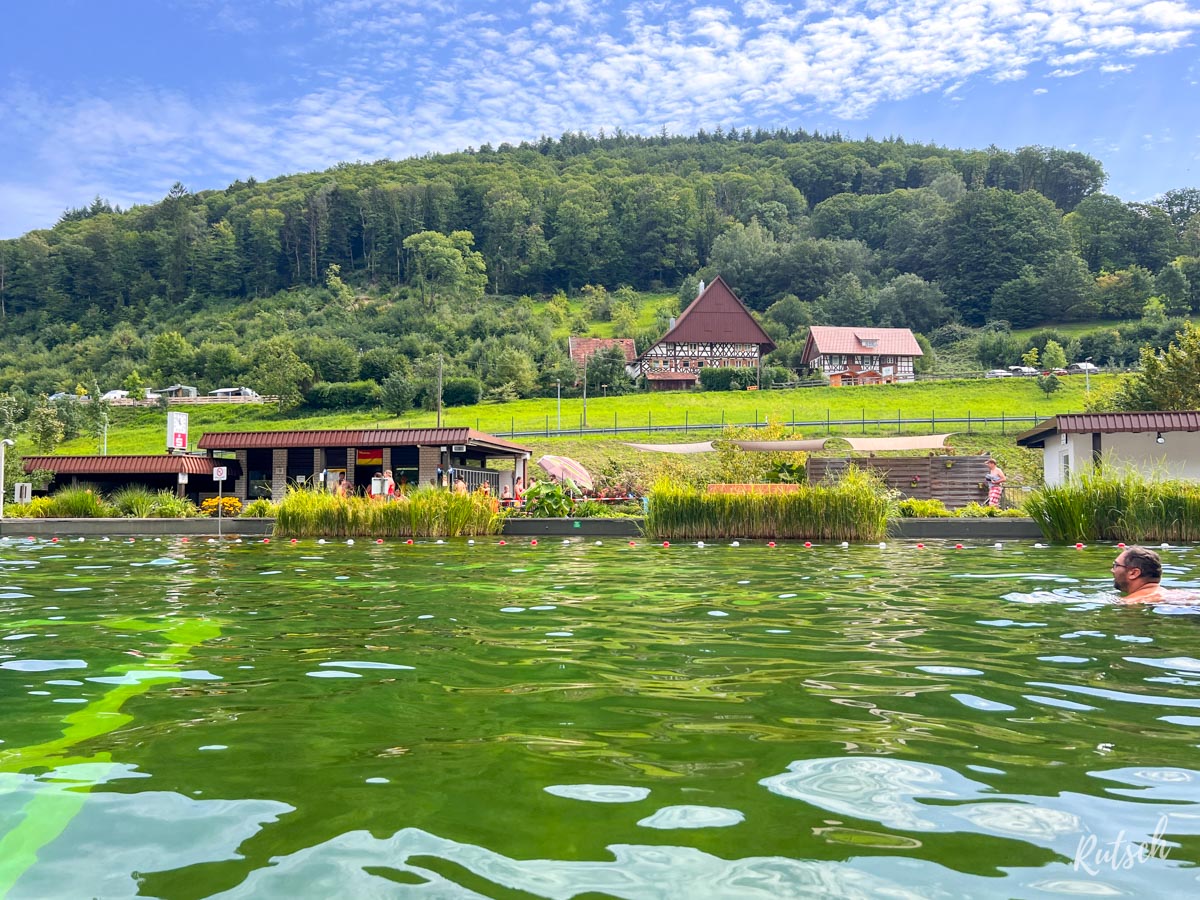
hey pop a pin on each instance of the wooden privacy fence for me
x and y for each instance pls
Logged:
(955, 480)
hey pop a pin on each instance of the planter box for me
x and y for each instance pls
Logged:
(133, 527)
(981, 529)
(592, 527)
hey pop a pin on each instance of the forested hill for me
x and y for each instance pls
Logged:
(812, 226)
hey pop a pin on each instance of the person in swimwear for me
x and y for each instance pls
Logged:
(1136, 574)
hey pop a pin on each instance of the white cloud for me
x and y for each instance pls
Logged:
(398, 77)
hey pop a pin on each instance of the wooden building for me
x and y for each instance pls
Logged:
(861, 355)
(715, 331)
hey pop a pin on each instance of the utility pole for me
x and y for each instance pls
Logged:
(439, 392)
(586, 360)
(3, 444)
(558, 384)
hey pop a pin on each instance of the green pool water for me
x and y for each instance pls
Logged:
(189, 720)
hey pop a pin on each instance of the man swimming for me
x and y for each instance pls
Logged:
(1136, 574)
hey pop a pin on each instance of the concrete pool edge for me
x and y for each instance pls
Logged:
(1011, 529)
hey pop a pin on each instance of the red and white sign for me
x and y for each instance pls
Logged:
(177, 431)
(219, 473)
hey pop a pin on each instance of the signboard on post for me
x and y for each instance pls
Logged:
(23, 492)
(219, 473)
(177, 431)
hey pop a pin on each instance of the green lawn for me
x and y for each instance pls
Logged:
(143, 430)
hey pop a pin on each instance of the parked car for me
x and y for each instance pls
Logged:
(1056, 372)
(1078, 368)
(1027, 371)
(115, 395)
(998, 373)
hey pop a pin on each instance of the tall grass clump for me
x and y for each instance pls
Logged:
(426, 512)
(1106, 504)
(135, 501)
(854, 507)
(78, 502)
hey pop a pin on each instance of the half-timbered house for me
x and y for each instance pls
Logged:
(861, 355)
(715, 331)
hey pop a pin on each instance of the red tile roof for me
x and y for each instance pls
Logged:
(581, 348)
(166, 464)
(1110, 423)
(717, 316)
(363, 437)
(824, 339)
(661, 375)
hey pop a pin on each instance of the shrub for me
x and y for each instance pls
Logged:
(262, 508)
(344, 395)
(169, 506)
(230, 507)
(135, 501)
(724, 379)
(79, 502)
(37, 508)
(461, 391)
(913, 508)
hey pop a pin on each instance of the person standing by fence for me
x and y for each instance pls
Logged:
(995, 479)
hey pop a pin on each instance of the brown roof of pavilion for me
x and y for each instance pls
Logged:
(361, 437)
(165, 464)
(1110, 423)
(717, 316)
(580, 349)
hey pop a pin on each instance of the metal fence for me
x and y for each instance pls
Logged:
(897, 425)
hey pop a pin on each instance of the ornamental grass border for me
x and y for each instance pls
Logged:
(426, 512)
(855, 507)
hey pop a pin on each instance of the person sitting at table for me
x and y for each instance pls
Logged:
(506, 496)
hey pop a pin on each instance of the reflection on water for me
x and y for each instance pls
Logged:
(454, 719)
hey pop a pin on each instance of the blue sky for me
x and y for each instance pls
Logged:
(122, 98)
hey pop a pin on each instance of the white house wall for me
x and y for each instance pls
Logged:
(1178, 457)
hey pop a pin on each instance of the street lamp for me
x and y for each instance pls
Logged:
(1087, 375)
(558, 387)
(586, 360)
(4, 445)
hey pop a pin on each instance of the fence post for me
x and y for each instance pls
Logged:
(1001, 422)
(864, 420)
(827, 428)
(933, 421)
(685, 421)
(512, 428)
(968, 421)
(615, 429)
(547, 425)
(897, 421)
(649, 420)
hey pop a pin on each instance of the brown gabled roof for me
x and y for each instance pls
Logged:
(717, 315)
(362, 437)
(823, 339)
(581, 349)
(165, 464)
(1110, 423)
(663, 375)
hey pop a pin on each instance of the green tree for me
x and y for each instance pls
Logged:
(446, 264)
(170, 357)
(399, 391)
(45, 427)
(1166, 381)
(135, 386)
(276, 369)
(1030, 358)
(1048, 383)
(1053, 356)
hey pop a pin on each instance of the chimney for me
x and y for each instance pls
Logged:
(700, 288)
(672, 325)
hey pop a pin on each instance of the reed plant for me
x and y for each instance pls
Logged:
(136, 501)
(260, 508)
(425, 512)
(78, 502)
(1110, 504)
(854, 507)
